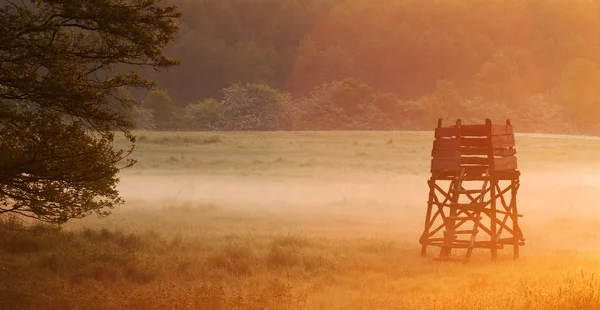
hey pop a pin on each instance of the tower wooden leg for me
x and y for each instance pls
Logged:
(445, 253)
(493, 216)
(424, 237)
(515, 218)
(494, 253)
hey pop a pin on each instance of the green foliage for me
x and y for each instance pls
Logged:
(252, 107)
(348, 104)
(579, 91)
(537, 114)
(61, 101)
(500, 80)
(203, 115)
(345, 104)
(445, 102)
(163, 108)
(480, 109)
(143, 118)
(502, 51)
(140, 117)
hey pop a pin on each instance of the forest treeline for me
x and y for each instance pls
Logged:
(380, 64)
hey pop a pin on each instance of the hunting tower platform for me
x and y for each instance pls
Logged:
(473, 191)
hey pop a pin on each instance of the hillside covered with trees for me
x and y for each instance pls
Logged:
(384, 64)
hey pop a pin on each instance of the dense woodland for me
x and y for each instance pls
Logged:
(379, 64)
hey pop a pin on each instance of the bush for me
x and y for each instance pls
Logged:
(537, 114)
(346, 104)
(203, 115)
(143, 118)
(164, 110)
(253, 107)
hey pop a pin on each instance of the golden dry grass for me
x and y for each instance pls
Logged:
(306, 221)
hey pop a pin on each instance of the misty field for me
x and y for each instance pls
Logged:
(306, 221)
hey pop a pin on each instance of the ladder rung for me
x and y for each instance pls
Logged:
(455, 245)
(467, 205)
(464, 232)
(463, 218)
(467, 245)
(510, 241)
(468, 191)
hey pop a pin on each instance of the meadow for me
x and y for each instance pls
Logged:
(306, 220)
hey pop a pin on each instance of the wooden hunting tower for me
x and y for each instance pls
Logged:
(473, 190)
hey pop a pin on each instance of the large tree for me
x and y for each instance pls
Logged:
(62, 63)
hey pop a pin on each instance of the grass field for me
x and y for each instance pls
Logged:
(306, 221)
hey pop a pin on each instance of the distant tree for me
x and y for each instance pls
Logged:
(125, 104)
(538, 114)
(390, 112)
(502, 51)
(254, 107)
(579, 92)
(142, 118)
(203, 115)
(315, 66)
(500, 80)
(411, 116)
(251, 61)
(163, 108)
(446, 102)
(57, 86)
(344, 104)
(480, 109)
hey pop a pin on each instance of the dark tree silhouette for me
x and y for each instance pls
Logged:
(58, 86)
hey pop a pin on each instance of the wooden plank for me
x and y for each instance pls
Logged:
(445, 153)
(466, 206)
(506, 163)
(499, 130)
(504, 141)
(463, 218)
(465, 232)
(446, 132)
(509, 241)
(474, 174)
(446, 144)
(445, 164)
(435, 239)
(484, 152)
(482, 161)
(473, 130)
(472, 152)
(508, 175)
(475, 142)
(462, 207)
(466, 191)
